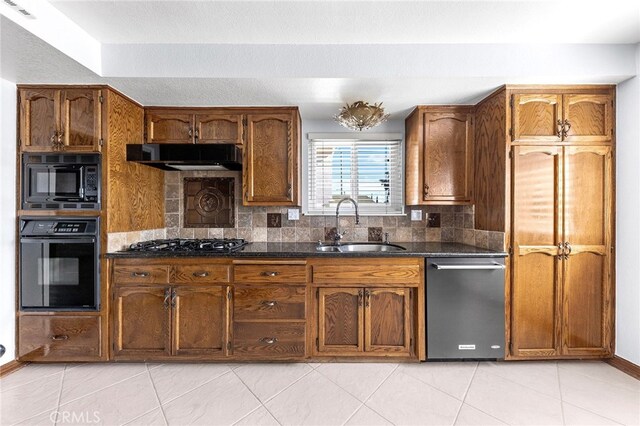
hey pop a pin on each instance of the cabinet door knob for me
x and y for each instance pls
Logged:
(58, 337)
(270, 274)
(566, 126)
(426, 190)
(140, 274)
(269, 340)
(173, 298)
(167, 294)
(367, 297)
(360, 297)
(567, 249)
(560, 129)
(201, 274)
(269, 303)
(560, 254)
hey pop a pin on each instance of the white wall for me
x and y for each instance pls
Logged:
(628, 228)
(7, 217)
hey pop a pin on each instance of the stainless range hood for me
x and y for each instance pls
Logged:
(186, 156)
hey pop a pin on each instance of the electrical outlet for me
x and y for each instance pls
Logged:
(293, 214)
(416, 215)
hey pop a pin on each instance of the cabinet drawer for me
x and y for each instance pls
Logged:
(141, 274)
(59, 338)
(201, 273)
(258, 303)
(396, 272)
(276, 273)
(269, 339)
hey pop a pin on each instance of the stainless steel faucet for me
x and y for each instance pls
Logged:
(338, 236)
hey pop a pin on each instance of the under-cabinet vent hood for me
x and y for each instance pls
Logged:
(186, 156)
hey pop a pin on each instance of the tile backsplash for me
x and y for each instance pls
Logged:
(270, 224)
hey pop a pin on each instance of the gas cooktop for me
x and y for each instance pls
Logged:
(215, 245)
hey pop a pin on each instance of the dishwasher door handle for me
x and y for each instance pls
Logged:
(493, 265)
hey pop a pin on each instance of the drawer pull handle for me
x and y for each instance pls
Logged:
(269, 340)
(201, 274)
(270, 273)
(140, 274)
(58, 337)
(269, 303)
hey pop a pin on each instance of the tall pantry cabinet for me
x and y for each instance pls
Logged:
(558, 201)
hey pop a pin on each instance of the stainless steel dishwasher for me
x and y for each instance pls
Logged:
(465, 308)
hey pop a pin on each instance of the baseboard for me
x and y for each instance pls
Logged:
(625, 366)
(10, 367)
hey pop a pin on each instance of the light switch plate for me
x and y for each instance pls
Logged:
(416, 215)
(293, 214)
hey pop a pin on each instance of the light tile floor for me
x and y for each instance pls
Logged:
(469, 393)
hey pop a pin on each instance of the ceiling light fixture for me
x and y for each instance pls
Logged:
(360, 115)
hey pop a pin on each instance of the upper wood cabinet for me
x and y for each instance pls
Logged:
(561, 291)
(60, 119)
(439, 156)
(557, 117)
(214, 125)
(271, 159)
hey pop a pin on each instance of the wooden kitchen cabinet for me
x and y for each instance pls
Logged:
(557, 117)
(439, 156)
(270, 174)
(141, 322)
(60, 119)
(561, 237)
(369, 308)
(166, 309)
(184, 125)
(364, 321)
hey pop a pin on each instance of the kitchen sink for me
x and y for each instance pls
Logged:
(359, 247)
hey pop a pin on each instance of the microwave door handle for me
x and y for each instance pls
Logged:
(81, 188)
(46, 274)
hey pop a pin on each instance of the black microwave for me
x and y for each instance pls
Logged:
(61, 181)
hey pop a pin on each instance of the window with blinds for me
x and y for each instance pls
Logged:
(369, 171)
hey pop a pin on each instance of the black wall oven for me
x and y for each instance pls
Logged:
(59, 264)
(61, 181)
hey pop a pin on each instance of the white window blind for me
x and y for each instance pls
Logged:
(369, 171)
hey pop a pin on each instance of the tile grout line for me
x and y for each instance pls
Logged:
(610, 383)
(197, 387)
(155, 392)
(564, 421)
(520, 384)
(101, 389)
(287, 387)
(466, 391)
(64, 373)
(42, 412)
(476, 408)
(259, 400)
(376, 390)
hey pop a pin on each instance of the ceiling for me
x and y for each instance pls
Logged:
(320, 54)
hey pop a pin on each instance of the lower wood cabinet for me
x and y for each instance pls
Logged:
(65, 337)
(368, 321)
(152, 322)
(266, 309)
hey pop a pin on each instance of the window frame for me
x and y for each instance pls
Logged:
(347, 208)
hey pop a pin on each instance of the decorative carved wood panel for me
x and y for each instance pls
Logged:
(199, 320)
(209, 203)
(219, 128)
(81, 119)
(535, 117)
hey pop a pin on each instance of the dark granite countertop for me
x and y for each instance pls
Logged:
(300, 250)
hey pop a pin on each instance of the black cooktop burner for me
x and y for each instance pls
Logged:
(216, 245)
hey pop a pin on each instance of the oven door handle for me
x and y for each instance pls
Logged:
(472, 266)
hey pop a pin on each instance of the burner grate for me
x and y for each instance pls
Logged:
(216, 245)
